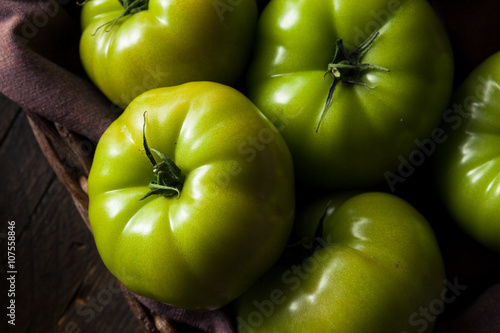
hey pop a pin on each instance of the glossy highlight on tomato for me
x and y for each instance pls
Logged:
(164, 43)
(468, 163)
(390, 64)
(184, 208)
(375, 267)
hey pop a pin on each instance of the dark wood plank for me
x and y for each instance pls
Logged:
(61, 283)
(25, 177)
(8, 111)
(24, 173)
(69, 275)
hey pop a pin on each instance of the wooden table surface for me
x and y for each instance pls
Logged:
(61, 285)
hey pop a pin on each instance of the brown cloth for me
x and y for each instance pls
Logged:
(40, 67)
(41, 71)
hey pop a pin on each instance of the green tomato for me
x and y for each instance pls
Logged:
(468, 163)
(163, 43)
(348, 120)
(376, 267)
(308, 222)
(217, 207)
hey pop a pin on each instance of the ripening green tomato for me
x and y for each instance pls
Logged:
(164, 43)
(376, 267)
(308, 221)
(349, 109)
(215, 211)
(468, 163)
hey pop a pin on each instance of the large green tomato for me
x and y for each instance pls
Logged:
(376, 267)
(468, 163)
(164, 43)
(217, 208)
(349, 110)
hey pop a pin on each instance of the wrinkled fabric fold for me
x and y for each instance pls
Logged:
(40, 68)
(216, 321)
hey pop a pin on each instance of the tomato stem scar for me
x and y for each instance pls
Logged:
(130, 7)
(168, 177)
(346, 68)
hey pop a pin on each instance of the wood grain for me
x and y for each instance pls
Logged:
(61, 284)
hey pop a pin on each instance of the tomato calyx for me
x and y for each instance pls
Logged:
(169, 179)
(346, 68)
(306, 246)
(130, 7)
